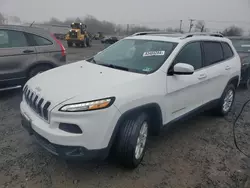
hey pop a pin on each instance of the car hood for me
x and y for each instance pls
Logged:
(89, 80)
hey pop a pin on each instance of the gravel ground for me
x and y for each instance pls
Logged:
(198, 153)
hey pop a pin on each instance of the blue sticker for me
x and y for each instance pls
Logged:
(147, 69)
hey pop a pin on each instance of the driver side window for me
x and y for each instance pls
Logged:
(190, 54)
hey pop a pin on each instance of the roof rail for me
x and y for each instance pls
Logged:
(183, 35)
(203, 34)
(154, 32)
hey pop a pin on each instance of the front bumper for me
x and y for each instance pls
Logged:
(66, 152)
(92, 143)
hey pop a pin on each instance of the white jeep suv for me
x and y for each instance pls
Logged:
(131, 89)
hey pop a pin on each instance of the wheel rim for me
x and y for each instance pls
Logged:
(228, 100)
(141, 140)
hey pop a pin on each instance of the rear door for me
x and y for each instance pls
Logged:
(15, 54)
(217, 63)
(47, 51)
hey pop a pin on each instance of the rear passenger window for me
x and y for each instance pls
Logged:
(227, 50)
(40, 41)
(12, 39)
(190, 54)
(213, 52)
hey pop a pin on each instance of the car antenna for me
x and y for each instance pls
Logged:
(32, 23)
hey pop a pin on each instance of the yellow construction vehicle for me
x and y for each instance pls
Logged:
(78, 35)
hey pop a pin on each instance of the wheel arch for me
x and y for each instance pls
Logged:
(154, 112)
(235, 81)
(37, 64)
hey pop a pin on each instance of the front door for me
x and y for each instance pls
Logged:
(184, 92)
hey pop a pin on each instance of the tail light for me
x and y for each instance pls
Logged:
(60, 44)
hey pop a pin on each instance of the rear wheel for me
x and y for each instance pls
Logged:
(37, 70)
(88, 43)
(132, 140)
(226, 101)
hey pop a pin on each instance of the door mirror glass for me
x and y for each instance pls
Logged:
(183, 69)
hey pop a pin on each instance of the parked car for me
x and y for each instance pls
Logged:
(128, 91)
(109, 40)
(25, 52)
(242, 46)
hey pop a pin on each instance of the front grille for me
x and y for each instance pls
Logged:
(37, 103)
(73, 34)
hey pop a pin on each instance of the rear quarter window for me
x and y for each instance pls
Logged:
(38, 40)
(227, 50)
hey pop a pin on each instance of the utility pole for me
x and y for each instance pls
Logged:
(180, 26)
(191, 24)
(127, 28)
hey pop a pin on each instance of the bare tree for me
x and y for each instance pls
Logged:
(233, 31)
(200, 26)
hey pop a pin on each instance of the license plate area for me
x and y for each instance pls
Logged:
(26, 123)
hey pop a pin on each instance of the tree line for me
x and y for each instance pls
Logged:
(94, 25)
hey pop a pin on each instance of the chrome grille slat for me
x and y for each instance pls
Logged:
(36, 103)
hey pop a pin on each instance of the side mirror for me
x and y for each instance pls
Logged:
(183, 69)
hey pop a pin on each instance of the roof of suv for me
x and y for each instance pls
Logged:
(178, 37)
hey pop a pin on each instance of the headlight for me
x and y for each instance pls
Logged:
(88, 106)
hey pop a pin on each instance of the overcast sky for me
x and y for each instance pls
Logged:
(153, 12)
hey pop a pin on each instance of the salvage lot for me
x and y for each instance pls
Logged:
(197, 153)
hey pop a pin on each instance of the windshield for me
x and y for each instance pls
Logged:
(143, 56)
(241, 45)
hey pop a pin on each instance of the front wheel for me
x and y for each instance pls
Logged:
(132, 140)
(70, 44)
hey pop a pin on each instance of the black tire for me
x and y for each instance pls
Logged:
(88, 43)
(220, 110)
(127, 140)
(247, 84)
(70, 44)
(37, 70)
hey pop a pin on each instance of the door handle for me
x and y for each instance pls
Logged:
(28, 51)
(227, 68)
(202, 76)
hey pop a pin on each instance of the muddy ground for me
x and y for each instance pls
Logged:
(198, 153)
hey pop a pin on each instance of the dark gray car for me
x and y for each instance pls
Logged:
(25, 52)
(242, 46)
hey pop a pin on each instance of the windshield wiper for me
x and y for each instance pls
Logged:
(114, 66)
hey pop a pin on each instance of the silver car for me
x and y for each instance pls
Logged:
(25, 52)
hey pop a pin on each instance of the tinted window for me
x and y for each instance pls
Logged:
(227, 50)
(10, 39)
(4, 39)
(40, 41)
(143, 56)
(213, 52)
(190, 54)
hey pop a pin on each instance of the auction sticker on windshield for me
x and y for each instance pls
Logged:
(153, 53)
